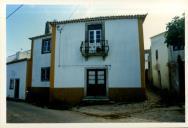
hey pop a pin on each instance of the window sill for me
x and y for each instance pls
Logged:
(45, 52)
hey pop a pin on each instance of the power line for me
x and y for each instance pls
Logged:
(14, 11)
(12, 50)
(73, 11)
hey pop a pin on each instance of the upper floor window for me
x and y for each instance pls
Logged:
(46, 45)
(95, 33)
(94, 43)
(45, 74)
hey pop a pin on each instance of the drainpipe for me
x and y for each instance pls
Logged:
(59, 30)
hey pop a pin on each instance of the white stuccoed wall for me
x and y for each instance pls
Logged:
(157, 43)
(123, 60)
(146, 60)
(173, 55)
(39, 60)
(17, 71)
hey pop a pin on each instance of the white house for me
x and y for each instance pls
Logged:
(147, 64)
(40, 60)
(159, 59)
(19, 55)
(18, 70)
(100, 57)
(165, 66)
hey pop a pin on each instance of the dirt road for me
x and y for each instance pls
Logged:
(147, 111)
(26, 113)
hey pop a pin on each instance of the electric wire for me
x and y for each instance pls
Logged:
(14, 11)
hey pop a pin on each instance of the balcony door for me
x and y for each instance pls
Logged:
(94, 40)
(96, 82)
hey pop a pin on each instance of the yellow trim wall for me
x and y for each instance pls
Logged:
(28, 77)
(52, 67)
(141, 45)
(53, 91)
(29, 70)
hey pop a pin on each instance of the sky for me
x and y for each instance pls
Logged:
(30, 19)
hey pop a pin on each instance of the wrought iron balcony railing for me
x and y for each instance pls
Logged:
(99, 48)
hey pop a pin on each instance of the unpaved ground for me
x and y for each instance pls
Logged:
(19, 112)
(148, 111)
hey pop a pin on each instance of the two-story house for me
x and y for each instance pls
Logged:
(90, 58)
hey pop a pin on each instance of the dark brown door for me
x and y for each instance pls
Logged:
(16, 91)
(96, 82)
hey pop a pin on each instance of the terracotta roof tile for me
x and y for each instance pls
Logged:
(100, 18)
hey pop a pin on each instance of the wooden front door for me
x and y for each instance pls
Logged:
(16, 91)
(96, 82)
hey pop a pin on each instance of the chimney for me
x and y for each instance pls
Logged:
(47, 28)
(18, 55)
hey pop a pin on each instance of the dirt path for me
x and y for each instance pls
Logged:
(26, 113)
(147, 111)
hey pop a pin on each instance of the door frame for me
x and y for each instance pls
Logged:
(85, 79)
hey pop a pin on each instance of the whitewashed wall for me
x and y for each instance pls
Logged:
(123, 61)
(146, 55)
(39, 60)
(157, 43)
(173, 55)
(17, 71)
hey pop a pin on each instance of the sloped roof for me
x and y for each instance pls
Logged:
(19, 56)
(16, 61)
(158, 34)
(100, 18)
(40, 36)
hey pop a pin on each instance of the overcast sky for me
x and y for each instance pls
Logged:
(30, 19)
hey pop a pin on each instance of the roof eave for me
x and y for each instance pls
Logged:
(100, 18)
(40, 36)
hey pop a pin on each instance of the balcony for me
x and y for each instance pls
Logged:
(93, 48)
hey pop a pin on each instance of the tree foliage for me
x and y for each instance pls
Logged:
(175, 34)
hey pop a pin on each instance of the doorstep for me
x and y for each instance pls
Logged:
(95, 100)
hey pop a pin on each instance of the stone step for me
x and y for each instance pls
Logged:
(95, 100)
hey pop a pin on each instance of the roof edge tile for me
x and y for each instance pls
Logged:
(100, 18)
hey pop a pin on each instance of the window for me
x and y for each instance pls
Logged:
(156, 54)
(96, 76)
(95, 34)
(46, 45)
(45, 74)
(98, 36)
(91, 36)
(11, 84)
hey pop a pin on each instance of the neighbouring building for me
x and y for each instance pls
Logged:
(18, 75)
(167, 65)
(90, 58)
(159, 59)
(147, 64)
